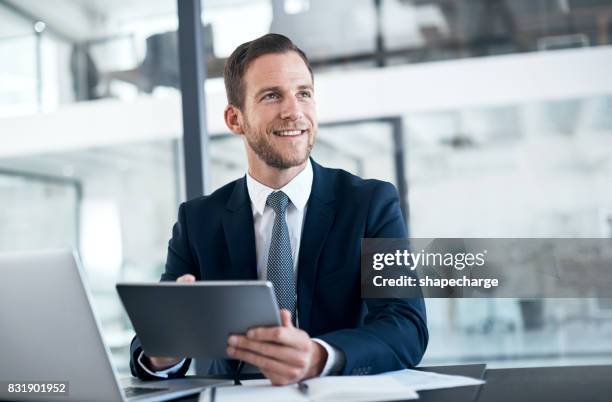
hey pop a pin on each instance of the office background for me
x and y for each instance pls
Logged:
(492, 117)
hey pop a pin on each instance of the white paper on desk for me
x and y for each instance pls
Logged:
(423, 380)
(322, 389)
(250, 383)
(254, 393)
(359, 388)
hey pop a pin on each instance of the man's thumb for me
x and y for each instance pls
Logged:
(186, 278)
(286, 318)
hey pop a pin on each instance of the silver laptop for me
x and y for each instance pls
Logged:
(49, 333)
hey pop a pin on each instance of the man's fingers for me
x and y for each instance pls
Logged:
(265, 364)
(291, 356)
(286, 318)
(186, 278)
(282, 335)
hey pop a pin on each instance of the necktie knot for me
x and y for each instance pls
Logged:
(278, 201)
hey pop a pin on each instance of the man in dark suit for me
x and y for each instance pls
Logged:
(298, 225)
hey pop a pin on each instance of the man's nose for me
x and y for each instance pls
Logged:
(291, 109)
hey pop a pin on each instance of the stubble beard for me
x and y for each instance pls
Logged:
(263, 148)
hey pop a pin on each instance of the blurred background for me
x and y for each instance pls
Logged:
(492, 117)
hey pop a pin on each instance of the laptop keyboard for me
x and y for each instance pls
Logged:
(131, 392)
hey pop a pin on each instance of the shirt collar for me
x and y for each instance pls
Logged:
(298, 190)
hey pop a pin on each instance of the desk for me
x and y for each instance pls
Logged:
(461, 394)
(559, 384)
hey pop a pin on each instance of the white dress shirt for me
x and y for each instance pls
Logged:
(298, 191)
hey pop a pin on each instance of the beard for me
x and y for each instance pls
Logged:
(260, 142)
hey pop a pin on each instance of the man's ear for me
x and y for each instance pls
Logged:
(233, 119)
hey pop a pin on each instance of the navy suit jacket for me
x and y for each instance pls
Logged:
(214, 240)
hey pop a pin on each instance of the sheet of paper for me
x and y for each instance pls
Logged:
(359, 388)
(347, 388)
(422, 380)
(324, 389)
(263, 381)
(416, 379)
(254, 393)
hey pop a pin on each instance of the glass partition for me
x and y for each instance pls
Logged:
(18, 75)
(540, 169)
(114, 205)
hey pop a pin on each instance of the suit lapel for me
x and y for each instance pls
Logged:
(239, 234)
(319, 218)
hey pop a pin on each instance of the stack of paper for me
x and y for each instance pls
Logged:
(396, 385)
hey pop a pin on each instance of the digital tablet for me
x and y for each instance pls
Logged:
(195, 319)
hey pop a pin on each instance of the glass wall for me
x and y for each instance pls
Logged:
(114, 205)
(55, 54)
(540, 169)
(26, 202)
(114, 201)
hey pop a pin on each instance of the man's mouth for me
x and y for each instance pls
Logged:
(288, 133)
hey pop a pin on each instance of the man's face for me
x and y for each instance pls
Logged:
(279, 117)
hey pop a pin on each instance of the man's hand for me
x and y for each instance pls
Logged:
(163, 363)
(284, 354)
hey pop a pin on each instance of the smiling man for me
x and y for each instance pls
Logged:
(297, 224)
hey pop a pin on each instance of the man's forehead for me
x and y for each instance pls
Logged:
(277, 70)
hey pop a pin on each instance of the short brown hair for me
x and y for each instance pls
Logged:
(239, 61)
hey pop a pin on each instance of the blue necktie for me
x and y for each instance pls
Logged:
(280, 261)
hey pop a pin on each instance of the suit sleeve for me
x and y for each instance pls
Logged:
(179, 262)
(394, 333)
(138, 371)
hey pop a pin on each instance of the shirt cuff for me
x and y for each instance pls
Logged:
(161, 373)
(335, 358)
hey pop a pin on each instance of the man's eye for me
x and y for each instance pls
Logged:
(270, 96)
(305, 94)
